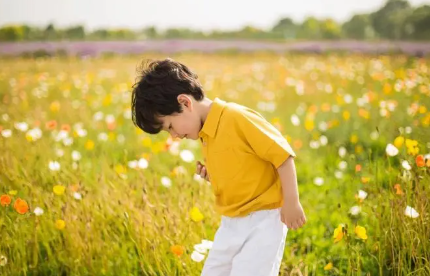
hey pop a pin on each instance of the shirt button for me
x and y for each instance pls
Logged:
(204, 143)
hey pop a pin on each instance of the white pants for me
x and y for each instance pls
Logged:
(248, 246)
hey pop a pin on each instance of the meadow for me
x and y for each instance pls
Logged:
(84, 192)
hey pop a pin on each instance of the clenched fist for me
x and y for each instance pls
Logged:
(201, 170)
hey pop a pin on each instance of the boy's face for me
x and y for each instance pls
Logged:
(186, 124)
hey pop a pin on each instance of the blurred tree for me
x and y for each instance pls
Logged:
(358, 27)
(149, 33)
(418, 23)
(310, 29)
(330, 29)
(75, 33)
(285, 28)
(11, 33)
(176, 33)
(389, 21)
(50, 33)
(121, 34)
(100, 34)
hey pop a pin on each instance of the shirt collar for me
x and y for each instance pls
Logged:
(210, 126)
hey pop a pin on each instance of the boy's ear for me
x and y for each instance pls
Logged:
(185, 100)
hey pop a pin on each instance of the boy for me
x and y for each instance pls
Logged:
(247, 161)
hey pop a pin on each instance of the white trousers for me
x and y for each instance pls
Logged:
(248, 246)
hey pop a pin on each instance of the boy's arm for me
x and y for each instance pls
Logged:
(292, 213)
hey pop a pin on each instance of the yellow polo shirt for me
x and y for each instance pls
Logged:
(242, 152)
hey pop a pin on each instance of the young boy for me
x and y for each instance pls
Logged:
(247, 160)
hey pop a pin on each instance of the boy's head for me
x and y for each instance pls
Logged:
(165, 98)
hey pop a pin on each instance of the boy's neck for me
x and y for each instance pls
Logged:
(203, 108)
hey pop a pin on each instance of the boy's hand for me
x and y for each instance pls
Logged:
(292, 215)
(201, 170)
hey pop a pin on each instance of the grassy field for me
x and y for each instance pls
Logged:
(83, 192)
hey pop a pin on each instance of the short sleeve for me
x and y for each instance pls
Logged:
(264, 139)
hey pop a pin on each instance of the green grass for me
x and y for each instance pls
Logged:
(127, 220)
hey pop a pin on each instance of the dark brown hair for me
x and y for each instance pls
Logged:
(155, 93)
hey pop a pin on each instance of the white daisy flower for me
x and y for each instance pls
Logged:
(411, 212)
(318, 181)
(187, 156)
(54, 166)
(38, 211)
(166, 182)
(391, 150)
(197, 257)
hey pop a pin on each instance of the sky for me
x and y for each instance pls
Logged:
(202, 15)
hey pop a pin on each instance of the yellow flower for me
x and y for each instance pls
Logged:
(196, 215)
(120, 169)
(147, 142)
(89, 145)
(361, 232)
(13, 192)
(59, 189)
(55, 106)
(346, 115)
(309, 124)
(387, 88)
(412, 146)
(363, 113)
(354, 139)
(328, 266)
(338, 233)
(60, 224)
(398, 142)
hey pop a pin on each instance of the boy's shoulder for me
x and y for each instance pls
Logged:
(235, 111)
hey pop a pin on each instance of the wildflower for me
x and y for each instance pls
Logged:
(411, 212)
(89, 145)
(196, 215)
(197, 257)
(59, 189)
(406, 166)
(38, 211)
(54, 166)
(6, 133)
(187, 156)
(77, 196)
(20, 206)
(76, 155)
(355, 210)
(338, 233)
(166, 182)
(318, 181)
(328, 266)
(5, 200)
(391, 150)
(420, 161)
(412, 146)
(398, 142)
(398, 189)
(60, 224)
(360, 231)
(177, 250)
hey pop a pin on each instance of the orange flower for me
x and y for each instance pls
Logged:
(51, 125)
(20, 206)
(5, 200)
(66, 127)
(358, 168)
(177, 250)
(420, 161)
(398, 189)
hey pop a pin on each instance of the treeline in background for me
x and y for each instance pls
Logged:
(396, 20)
